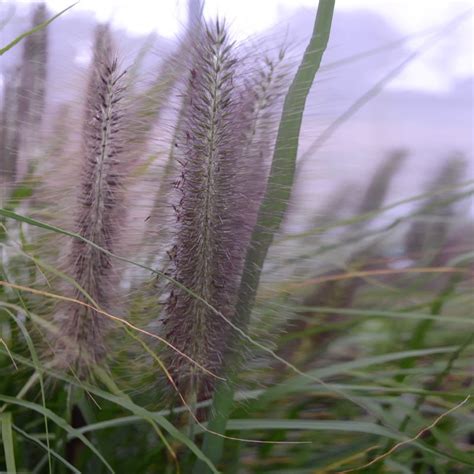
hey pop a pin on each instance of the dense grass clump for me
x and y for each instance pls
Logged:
(161, 312)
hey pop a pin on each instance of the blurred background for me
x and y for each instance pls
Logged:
(418, 80)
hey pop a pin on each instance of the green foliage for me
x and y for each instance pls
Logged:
(32, 31)
(362, 339)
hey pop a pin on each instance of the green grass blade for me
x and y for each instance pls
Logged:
(47, 449)
(36, 362)
(124, 402)
(375, 313)
(274, 203)
(34, 30)
(58, 421)
(310, 425)
(373, 214)
(379, 87)
(367, 361)
(282, 172)
(43, 225)
(213, 445)
(7, 440)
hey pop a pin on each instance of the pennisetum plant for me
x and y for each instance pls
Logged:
(10, 135)
(222, 147)
(270, 213)
(24, 100)
(80, 331)
(33, 74)
(234, 176)
(261, 102)
(427, 235)
(340, 294)
(206, 256)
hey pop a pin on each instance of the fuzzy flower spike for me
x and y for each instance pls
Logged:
(208, 252)
(80, 342)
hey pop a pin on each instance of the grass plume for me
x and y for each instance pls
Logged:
(24, 100)
(209, 247)
(81, 340)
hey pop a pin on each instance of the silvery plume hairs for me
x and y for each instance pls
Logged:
(208, 253)
(81, 331)
(261, 98)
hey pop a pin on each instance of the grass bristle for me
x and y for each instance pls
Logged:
(81, 330)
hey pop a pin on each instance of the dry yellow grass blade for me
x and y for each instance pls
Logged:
(369, 273)
(108, 315)
(408, 441)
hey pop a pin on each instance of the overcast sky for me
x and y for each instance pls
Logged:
(251, 16)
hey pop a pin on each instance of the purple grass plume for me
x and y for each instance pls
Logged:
(206, 257)
(219, 143)
(80, 341)
(24, 93)
(261, 100)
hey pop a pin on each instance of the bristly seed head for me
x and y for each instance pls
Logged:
(80, 342)
(222, 136)
(206, 256)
